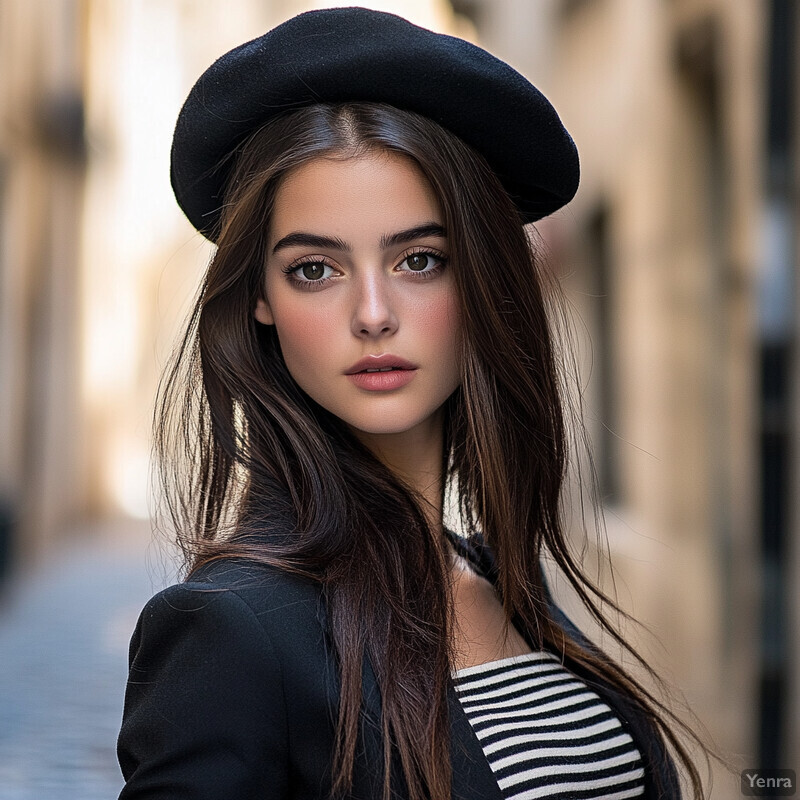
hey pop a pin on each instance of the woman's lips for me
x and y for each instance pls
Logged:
(381, 361)
(382, 381)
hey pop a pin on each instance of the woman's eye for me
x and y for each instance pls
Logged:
(311, 271)
(419, 262)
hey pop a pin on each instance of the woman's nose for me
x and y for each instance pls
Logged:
(373, 313)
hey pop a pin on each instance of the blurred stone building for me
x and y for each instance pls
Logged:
(43, 162)
(678, 256)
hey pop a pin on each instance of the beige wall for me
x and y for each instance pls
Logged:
(41, 172)
(681, 185)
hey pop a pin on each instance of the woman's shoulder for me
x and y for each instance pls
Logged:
(220, 664)
(241, 574)
(229, 594)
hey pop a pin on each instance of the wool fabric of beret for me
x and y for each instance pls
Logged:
(356, 54)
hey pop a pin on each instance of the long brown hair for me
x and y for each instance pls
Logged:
(270, 475)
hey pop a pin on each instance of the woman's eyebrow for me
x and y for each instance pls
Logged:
(409, 235)
(301, 238)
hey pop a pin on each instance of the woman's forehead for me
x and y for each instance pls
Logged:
(371, 189)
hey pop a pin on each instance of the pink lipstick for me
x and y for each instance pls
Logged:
(381, 373)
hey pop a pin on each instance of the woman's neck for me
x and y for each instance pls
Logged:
(415, 456)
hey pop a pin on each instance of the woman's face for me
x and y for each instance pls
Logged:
(357, 273)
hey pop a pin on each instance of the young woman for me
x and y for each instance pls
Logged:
(372, 340)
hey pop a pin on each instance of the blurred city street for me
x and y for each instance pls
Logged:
(64, 632)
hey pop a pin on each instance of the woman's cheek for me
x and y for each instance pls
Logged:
(304, 331)
(441, 319)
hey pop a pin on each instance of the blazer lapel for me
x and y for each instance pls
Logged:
(472, 776)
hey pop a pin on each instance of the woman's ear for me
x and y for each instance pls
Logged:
(263, 313)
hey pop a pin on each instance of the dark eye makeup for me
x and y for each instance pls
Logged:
(309, 272)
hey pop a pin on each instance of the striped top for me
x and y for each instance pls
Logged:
(545, 733)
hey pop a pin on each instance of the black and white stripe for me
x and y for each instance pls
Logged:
(546, 733)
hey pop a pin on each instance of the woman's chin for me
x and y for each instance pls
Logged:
(416, 426)
(380, 428)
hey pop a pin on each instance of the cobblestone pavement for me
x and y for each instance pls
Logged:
(64, 633)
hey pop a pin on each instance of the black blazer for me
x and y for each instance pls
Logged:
(232, 695)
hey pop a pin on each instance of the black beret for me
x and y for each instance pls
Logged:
(351, 54)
